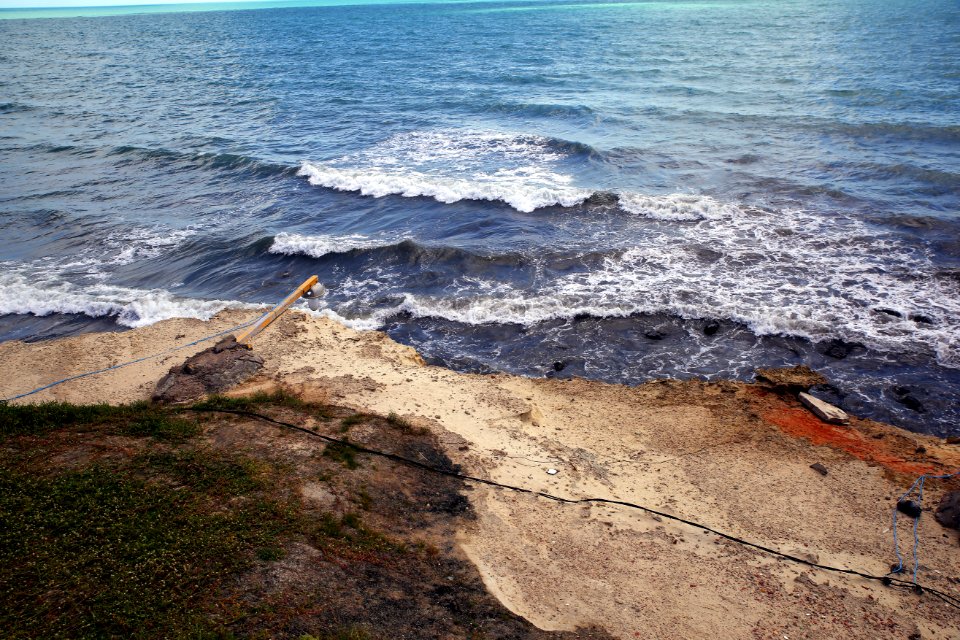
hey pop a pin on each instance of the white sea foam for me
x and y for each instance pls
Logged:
(320, 245)
(117, 248)
(676, 207)
(79, 285)
(795, 273)
(130, 307)
(524, 192)
(449, 166)
(143, 243)
(523, 171)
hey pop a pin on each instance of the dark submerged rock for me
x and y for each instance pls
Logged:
(840, 349)
(602, 198)
(890, 312)
(213, 370)
(711, 327)
(559, 366)
(908, 398)
(919, 318)
(653, 334)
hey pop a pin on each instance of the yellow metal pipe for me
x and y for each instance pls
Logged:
(247, 336)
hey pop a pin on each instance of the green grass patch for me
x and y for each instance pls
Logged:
(203, 471)
(343, 453)
(364, 499)
(350, 421)
(146, 544)
(103, 553)
(140, 419)
(345, 633)
(270, 554)
(350, 530)
(37, 419)
(163, 427)
(278, 398)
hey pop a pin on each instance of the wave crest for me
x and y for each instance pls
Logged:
(523, 171)
(321, 245)
(519, 189)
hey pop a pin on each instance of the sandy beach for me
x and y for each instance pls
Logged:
(733, 456)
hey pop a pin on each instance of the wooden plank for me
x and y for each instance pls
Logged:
(247, 336)
(824, 410)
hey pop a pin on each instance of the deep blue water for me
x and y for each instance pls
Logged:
(509, 185)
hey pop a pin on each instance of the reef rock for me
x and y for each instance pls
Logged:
(213, 370)
(790, 379)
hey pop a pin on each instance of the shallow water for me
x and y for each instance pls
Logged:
(506, 186)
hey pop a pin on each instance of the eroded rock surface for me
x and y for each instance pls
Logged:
(790, 379)
(213, 370)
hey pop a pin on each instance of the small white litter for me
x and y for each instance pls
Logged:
(552, 472)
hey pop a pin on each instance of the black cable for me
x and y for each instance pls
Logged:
(886, 580)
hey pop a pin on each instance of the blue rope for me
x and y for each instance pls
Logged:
(127, 364)
(918, 487)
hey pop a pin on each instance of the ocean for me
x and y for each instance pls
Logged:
(620, 191)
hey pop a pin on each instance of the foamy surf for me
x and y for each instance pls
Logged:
(130, 307)
(526, 172)
(677, 207)
(318, 246)
(524, 190)
(522, 171)
(788, 273)
(81, 284)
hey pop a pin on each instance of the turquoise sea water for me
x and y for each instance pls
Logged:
(30, 13)
(623, 190)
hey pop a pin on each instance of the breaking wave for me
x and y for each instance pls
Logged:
(523, 190)
(322, 245)
(130, 307)
(524, 171)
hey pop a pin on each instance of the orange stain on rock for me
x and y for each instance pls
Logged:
(799, 423)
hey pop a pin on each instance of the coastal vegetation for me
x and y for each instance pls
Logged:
(145, 521)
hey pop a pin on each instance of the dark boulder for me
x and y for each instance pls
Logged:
(919, 318)
(948, 511)
(653, 334)
(213, 370)
(711, 327)
(909, 508)
(559, 366)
